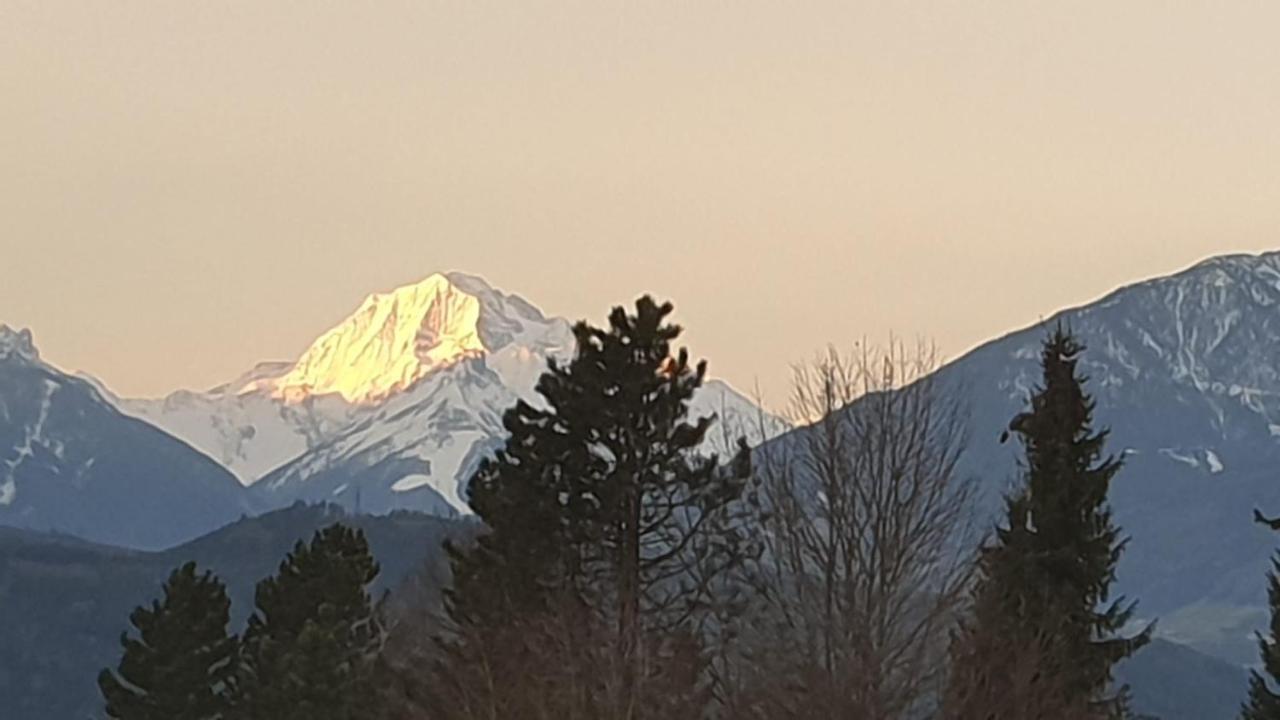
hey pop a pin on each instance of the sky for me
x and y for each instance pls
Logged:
(189, 188)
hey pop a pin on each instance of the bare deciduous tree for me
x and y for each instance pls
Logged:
(866, 560)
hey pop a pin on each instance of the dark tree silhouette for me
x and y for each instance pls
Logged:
(310, 648)
(1264, 703)
(181, 662)
(1043, 587)
(599, 508)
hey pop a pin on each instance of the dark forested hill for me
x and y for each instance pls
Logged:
(1174, 682)
(64, 602)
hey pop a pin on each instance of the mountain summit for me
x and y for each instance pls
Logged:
(394, 406)
(17, 344)
(397, 338)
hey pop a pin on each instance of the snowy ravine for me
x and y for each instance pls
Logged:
(395, 405)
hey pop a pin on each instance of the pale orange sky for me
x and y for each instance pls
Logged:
(189, 187)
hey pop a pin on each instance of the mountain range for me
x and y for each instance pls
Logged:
(1185, 373)
(391, 409)
(72, 461)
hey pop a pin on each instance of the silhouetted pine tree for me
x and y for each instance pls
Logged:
(1264, 704)
(600, 509)
(1043, 587)
(310, 647)
(181, 663)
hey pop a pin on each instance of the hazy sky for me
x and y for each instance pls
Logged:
(189, 187)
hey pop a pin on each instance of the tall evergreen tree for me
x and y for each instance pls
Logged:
(1044, 584)
(600, 504)
(182, 661)
(309, 649)
(1264, 703)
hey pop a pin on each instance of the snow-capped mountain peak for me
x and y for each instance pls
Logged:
(393, 340)
(394, 406)
(397, 338)
(17, 344)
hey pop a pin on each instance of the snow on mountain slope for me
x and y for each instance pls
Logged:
(418, 449)
(278, 411)
(249, 433)
(1185, 370)
(71, 462)
(413, 451)
(394, 406)
(392, 341)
